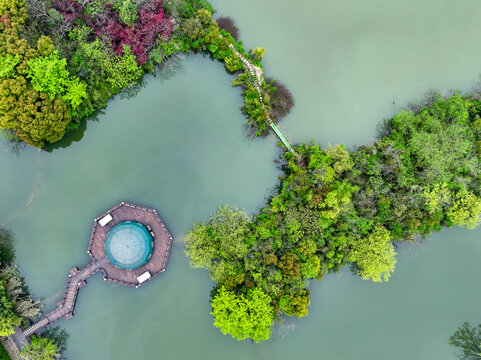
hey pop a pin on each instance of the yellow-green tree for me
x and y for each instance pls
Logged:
(242, 316)
(218, 244)
(466, 209)
(8, 319)
(374, 255)
(13, 13)
(49, 74)
(32, 115)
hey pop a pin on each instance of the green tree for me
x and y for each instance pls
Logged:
(8, 64)
(226, 230)
(467, 340)
(122, 71)
(311, 268)
(58, 335)
(204, 15)
(40, 349)
(306, 246)
(25, 306)
(217, 245)
(295, 303)
(127, 10)
(341, 159)
(258, 53)
(7, 251)
(49, 74)
(466, 209)
(3, 354)
(32, 115)
(290, 265)
(8, 319)
(232, 63)
(242, 316)
(374, 254)
(439, 140)
(436, 196)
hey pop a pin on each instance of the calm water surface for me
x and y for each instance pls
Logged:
(179, 146)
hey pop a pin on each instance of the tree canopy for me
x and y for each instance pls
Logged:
(467, 341)
(81, 53)
(8, 319)
(40, 349)
(25, 107)
(16, 304)
(374, 254)
(334, 207)
(241, 316)
(49, 74)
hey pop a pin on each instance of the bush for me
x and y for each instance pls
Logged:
(227, 23)
(282, 100)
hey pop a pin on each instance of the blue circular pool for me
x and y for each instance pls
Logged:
(128, 245)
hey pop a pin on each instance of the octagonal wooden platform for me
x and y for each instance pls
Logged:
(156, 264)
(130, 212)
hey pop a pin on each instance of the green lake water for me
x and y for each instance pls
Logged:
(179, 145)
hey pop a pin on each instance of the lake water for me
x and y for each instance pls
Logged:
(179, 145)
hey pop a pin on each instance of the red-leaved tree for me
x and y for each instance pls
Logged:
(151, 23)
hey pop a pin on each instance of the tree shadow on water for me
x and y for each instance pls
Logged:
(12, 143)
(167, 70)
(170, 67)
(133, 90)
(70, 137)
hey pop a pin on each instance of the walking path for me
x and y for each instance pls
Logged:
(256, 72)
(67, 304)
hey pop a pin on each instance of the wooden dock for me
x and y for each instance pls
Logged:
(67, 304)
(156, 264)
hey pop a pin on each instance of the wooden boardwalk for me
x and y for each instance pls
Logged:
(66, 306)
(256, 72)
(162, 240)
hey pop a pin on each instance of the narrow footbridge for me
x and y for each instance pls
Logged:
(256, 72)
(280, 135)
(66, 306)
